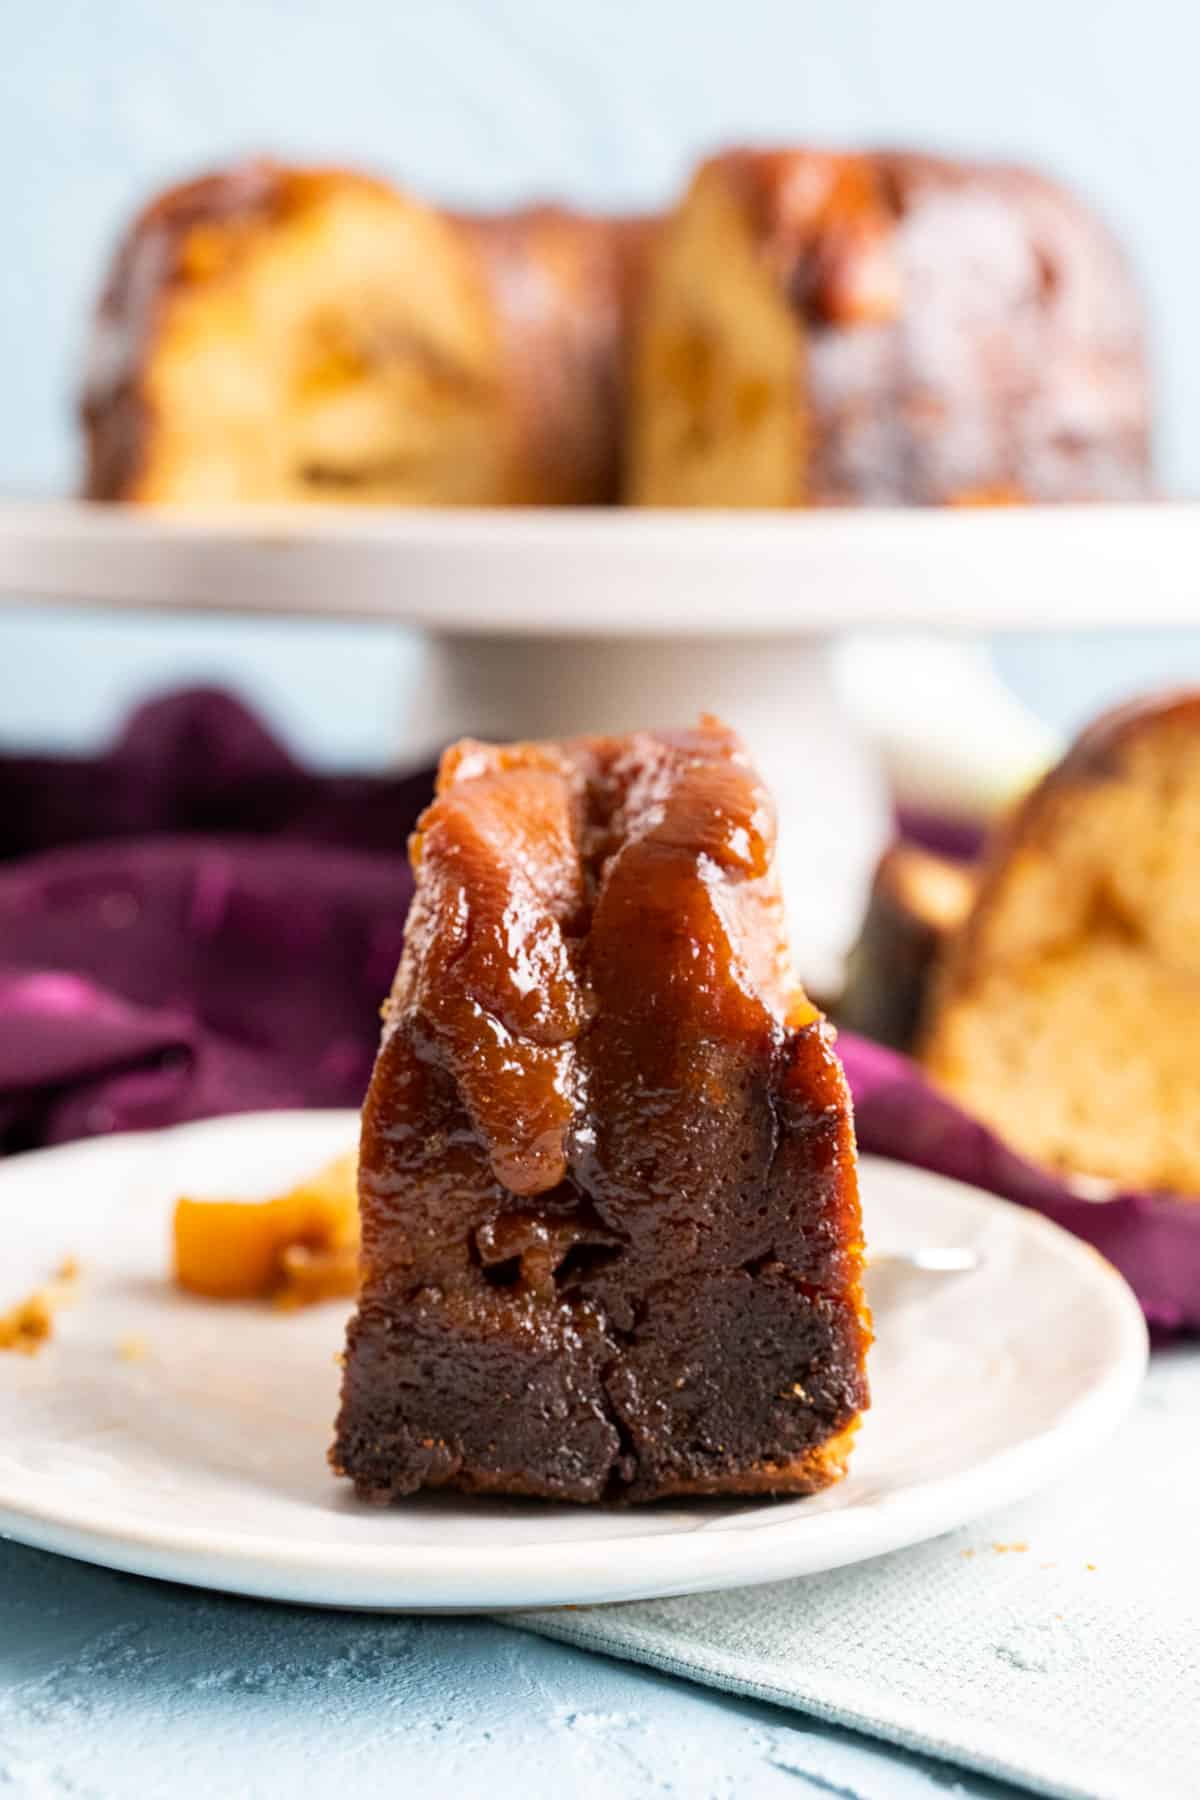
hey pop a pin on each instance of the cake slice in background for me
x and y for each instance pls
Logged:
(610, 1221)
(1067, 1013)
(278, 334)
(885, 328)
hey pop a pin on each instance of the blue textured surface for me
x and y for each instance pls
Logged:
(120, 1688)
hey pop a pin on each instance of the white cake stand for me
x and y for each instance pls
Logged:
(543, 623)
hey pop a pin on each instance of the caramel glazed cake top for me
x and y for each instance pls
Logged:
(611, 1233)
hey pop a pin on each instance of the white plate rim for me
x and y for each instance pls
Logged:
(448, 1578)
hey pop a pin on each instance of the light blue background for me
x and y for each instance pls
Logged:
(113, 1688)
(490, 101)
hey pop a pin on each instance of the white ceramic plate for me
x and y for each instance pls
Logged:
(623, 572)
(204, 1461)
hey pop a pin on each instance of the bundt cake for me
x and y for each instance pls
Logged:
(277, 334)
(1067, 1014)
(884, 328)
(610, 1222)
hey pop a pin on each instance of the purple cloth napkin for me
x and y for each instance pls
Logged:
(195, 924)
(214, 933)
(199, 761)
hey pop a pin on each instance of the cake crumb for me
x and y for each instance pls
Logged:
(1091, 1567)
(132, 1348)
(28, 1325)
(1003, 1549)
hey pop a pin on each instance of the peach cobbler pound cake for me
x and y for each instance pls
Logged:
(610, 1224)
(807, 327)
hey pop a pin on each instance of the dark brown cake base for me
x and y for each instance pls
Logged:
(516, 1396)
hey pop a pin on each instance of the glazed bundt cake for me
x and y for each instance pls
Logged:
(1067, 1015)
(819, 328)
(610, 1223)
(824, 329)
(278, 334)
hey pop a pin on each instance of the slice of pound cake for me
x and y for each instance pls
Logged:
(611, 1235)
(1067, 1014)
